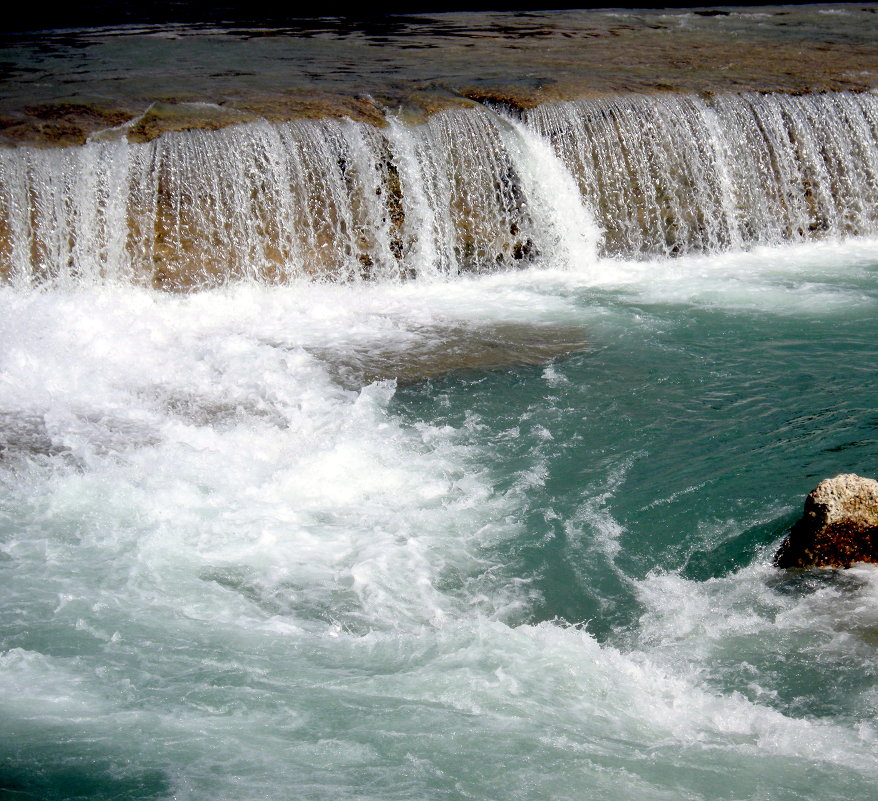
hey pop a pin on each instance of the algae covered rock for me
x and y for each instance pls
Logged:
(839, 526)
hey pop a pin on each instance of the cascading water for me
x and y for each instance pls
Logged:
(328, 199)
(469, 191)
(682, 174)
(323, 533)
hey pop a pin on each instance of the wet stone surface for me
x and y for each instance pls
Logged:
(437, 351)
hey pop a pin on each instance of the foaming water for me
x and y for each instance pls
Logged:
(802, 644)
(490, 533)
(234, 564)
(216, 387)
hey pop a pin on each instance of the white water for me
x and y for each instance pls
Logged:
(675, 174)
(234, 574)
(229, 571)
(467, 191)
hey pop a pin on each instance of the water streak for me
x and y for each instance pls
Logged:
(468, 191)
(675, 174)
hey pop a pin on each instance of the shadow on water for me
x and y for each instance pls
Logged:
(30, 780)
(801, 582)
(733, 554)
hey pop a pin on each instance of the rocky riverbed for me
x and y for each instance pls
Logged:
(138, 81)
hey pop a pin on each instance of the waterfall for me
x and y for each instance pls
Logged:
(468, 191)
(673, 174)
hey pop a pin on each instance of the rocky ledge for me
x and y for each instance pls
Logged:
(839, 526)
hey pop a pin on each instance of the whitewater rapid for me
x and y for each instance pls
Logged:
(228, 571)
(439, 461)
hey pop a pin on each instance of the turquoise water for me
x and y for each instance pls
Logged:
(226, 574)
(355, 463)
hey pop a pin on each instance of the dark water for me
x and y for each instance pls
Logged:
(59, 86)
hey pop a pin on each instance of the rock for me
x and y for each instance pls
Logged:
(838, 528)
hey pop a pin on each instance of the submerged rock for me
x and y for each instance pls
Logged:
(838, 528)
(441, 349)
